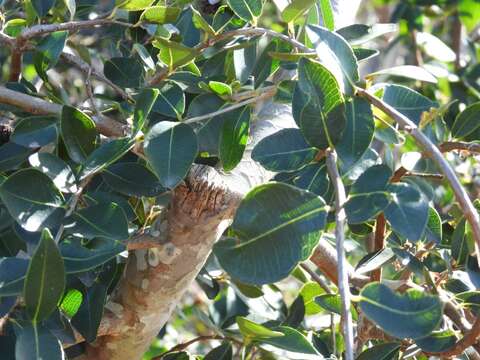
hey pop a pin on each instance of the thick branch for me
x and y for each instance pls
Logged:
(460, 145)
(340, 221)
(461, 195)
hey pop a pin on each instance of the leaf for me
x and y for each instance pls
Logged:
(374, 261)
(219, 88)
(363, 54)
(459, 243)
(102, 220)
(407, 101)
(358, 133)
(161, 14)
(277, 226)
(308, 293)
(466, 122)
(434, 47)
(200, 22)
(438, 341)
(408, 210)
(387, 351)
(143, 106)
(318, 106)
(56, 169)
(314, 178)
(327, 14)
(265, 66)
(71, 302)
(12, 275)
(433, 231)
(87, 319)
(124, 72)
(134, 5)
(174, 54)
(51, 47)
(36, 342)
(105, 155)
(171, 100)
(45, 279)
(285, 150)
(42, 7)
(170, 149)
(252, 330)
(368, 195)
(78, 132)
(336, 55)
(414, 314)
(296, 9)
(248, 10)
(221, 352)
(406, 71)
(358, 34)
(333, 303)
(132, 179)
(79, 259)
(296, 313)
(234, 137)
(71, 6)
(244, 62)
(33, 207)
(12, 155)
(292, 340)
(35, 131)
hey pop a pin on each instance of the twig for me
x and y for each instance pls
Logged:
(340, 220)
(457, 39)
(461, 195)
(265, 95)
(379, 243)
(317, 278)
(460, 145)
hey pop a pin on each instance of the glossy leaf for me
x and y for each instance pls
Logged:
(42, 7)
(285, 150)
(434, 47)
(333, 303)
(336, 55)
(12, 155)
(132, 179)
(33, 207)
(248, 10)
(277, 226)
(145, 100)
(438, 341)
(387, 351)
(45, 280)
(253, 330)
(78, 133)
(414, 314)
(12, 275)
(368, 195)
(318, 106)
(174, 54)
(296, 9)
(314, 178)
(408, 211)
(467, 121)
(171, 100)
(35, 131)
(102, 220)
(308, 293)
(292, 340)
(459, 243)
(56, 169)
(358, 34)
(358, 133)
(124, 72)
(433, 231)
(36, 342)
(221, 352)
(170, 149)
(79, 259)
(406, 71)
(87, 319)
(234, 137)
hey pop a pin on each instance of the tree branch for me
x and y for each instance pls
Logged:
(460, 145)
(461, 195)
(343, 283)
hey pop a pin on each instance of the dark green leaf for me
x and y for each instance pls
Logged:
(314, 178)
(438, 341)
(336, 55)
(296, 313)
(12, 155)
(171, 101)
(222, 352)
(105, 155)
(414, 314)
(248, 10)
(79, 259)
(387, 351)
(42, 6)
(102, 220)
(408, 210)
(170, 149)
(52, 46)
(244, 62)
(292, 340)
(132, 179)
(318, 105)
(459, 243)
(358, 34)
(36, 342)
(145, 100)
(374, 261)
(12, 275)
(45, 279)
(56, 169)
(277, 226)
(285, 150)
(467, 121)
(78, 133)
(33, 207)
(124, 72)
(87, 319)
(234, 136)
(368, 195)
(358, 133)
(35, 131)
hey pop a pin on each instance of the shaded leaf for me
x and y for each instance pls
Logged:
(79, 259)
(145, 100)
(234, 137)
(438, 341)
(358, 34)
(36, 342)
(12, 275)
(78, 132)
(35, 131)
(124, 72)
(56, 169)
(467, 121)
(387, 351)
